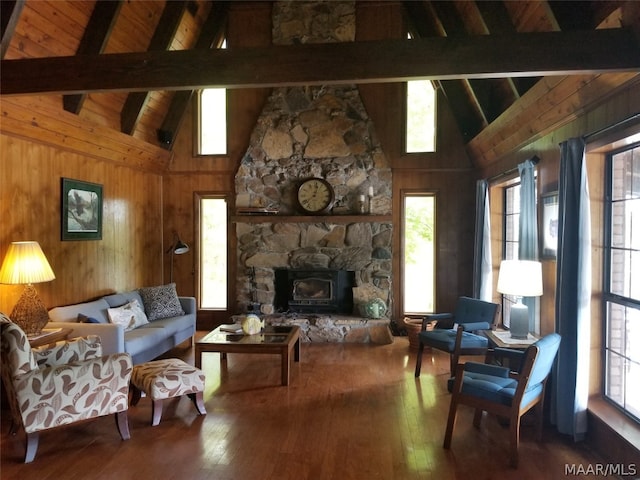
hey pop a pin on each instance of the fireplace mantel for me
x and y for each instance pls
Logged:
(311, 218)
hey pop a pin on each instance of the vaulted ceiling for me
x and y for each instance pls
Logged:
(134, 65)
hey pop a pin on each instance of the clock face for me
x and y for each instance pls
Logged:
(315, 195)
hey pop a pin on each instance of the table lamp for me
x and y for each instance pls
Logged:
(26, 264)
(178, 248)
(520, 278)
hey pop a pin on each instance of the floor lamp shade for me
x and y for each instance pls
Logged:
(178, 248)
(26, 264)
(520, 278)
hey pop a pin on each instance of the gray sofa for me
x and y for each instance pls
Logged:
(143, 343)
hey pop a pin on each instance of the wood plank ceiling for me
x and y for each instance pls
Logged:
(54, 30)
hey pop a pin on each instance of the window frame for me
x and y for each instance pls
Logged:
(199, 198)
(507, 300)
(404, 194)
(406, 121)
(197, 138)
(608, 297)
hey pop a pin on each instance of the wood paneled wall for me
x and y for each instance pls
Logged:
(130, 252)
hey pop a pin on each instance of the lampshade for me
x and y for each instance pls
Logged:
(25, 263)
(521, 278)
(180, 247)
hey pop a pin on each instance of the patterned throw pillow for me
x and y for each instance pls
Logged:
(161, 302)
(130, 315)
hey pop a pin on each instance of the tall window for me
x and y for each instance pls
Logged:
(419, 253)
(511, 225)
(421, 117)
(212, 106)
(213, 253)
(212, 120)
(622, 281)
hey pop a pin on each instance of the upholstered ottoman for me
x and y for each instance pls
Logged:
(161, 379)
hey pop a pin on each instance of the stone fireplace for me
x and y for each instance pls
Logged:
(303, 132)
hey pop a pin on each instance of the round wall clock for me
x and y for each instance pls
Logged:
(315, 196)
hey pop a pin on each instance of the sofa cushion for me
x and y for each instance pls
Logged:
(161, 302)
(172, 325)
(129, 315)
(96, 309)
(142, 339)
(119, 299)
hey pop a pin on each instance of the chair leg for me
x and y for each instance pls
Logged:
(31, 447)
(136, 394)
(514, 440)
(419, 359)
(13, 429)
(197, 400)
(540, 419)
(477, 418)
(451, 422)
(122, 422)
(156, 412)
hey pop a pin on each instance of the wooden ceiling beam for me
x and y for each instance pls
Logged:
(162, 37)
(483, 56)
(93, 41)
(9, 15)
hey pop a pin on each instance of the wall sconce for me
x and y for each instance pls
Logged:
(26, 264)
(178, 248)
(521, 278)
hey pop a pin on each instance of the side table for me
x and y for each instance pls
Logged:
(49, 336)
(502, 338)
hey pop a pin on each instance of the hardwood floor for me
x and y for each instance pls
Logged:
(350, 412)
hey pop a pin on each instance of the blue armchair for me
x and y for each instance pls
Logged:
(470, 315)
(503, 392)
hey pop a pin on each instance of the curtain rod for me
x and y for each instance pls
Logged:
(535, 159)
(616, 125)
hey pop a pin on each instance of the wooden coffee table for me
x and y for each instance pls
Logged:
(280, 340)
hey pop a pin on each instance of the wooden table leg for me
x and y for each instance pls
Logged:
(296, 351)
(284, 360)
(197, 357)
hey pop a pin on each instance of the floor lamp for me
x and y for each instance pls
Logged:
(26, 264)
(178, 248)
(521, 278)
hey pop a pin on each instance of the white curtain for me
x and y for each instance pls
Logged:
(570, 381)
(528, 232)
(482, 268)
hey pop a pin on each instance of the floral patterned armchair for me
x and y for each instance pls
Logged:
(61, 383)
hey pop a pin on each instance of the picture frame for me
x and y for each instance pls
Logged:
(81, 211)
(549, 227)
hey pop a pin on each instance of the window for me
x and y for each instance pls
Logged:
(212, 120)
(421, 117)
(419, 253)
(621, 292)
(212, 108)
(212, 260)
(511, 240)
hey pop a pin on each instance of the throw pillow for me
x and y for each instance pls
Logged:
(161, 302)
(82, 318)
(129, 315)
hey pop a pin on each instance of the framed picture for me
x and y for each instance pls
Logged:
(81, 210)
(549, 230)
